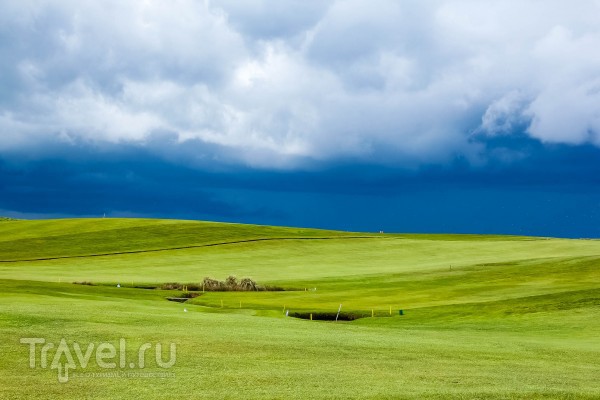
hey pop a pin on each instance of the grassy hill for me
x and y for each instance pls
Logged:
(484, 316)
(84, 237)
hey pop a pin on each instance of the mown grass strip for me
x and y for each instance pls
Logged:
(187, 247)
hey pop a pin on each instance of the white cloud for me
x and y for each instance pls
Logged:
(273, 85)
(567, 107)
(506, 114)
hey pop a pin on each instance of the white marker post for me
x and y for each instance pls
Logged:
(338, 314)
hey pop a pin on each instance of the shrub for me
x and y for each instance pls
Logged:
(212, 285)
(247, 284)
(171, 286)
(84, 283)
(270, 288)
(231, 283)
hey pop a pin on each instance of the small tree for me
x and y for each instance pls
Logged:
(248, 284)
(211, 284)
(231, 282)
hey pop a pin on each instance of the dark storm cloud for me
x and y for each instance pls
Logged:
(553, 191)
(136, 185)
(455, 115)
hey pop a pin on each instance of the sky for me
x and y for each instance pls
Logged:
(456, 116)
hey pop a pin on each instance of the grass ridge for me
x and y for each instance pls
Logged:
(188, 247)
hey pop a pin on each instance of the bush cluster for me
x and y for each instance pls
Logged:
(231, 284)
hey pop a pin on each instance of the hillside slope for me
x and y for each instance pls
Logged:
(25, 240)
(491, 317)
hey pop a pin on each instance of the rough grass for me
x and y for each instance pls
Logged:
(86, 237)
(515, 318)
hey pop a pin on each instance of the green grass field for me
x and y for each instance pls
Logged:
(485, 317)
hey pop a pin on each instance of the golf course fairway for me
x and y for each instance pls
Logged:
(419, 316)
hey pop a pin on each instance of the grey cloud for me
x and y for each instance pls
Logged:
(507, 115)
(287, 84)
(263, 19)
